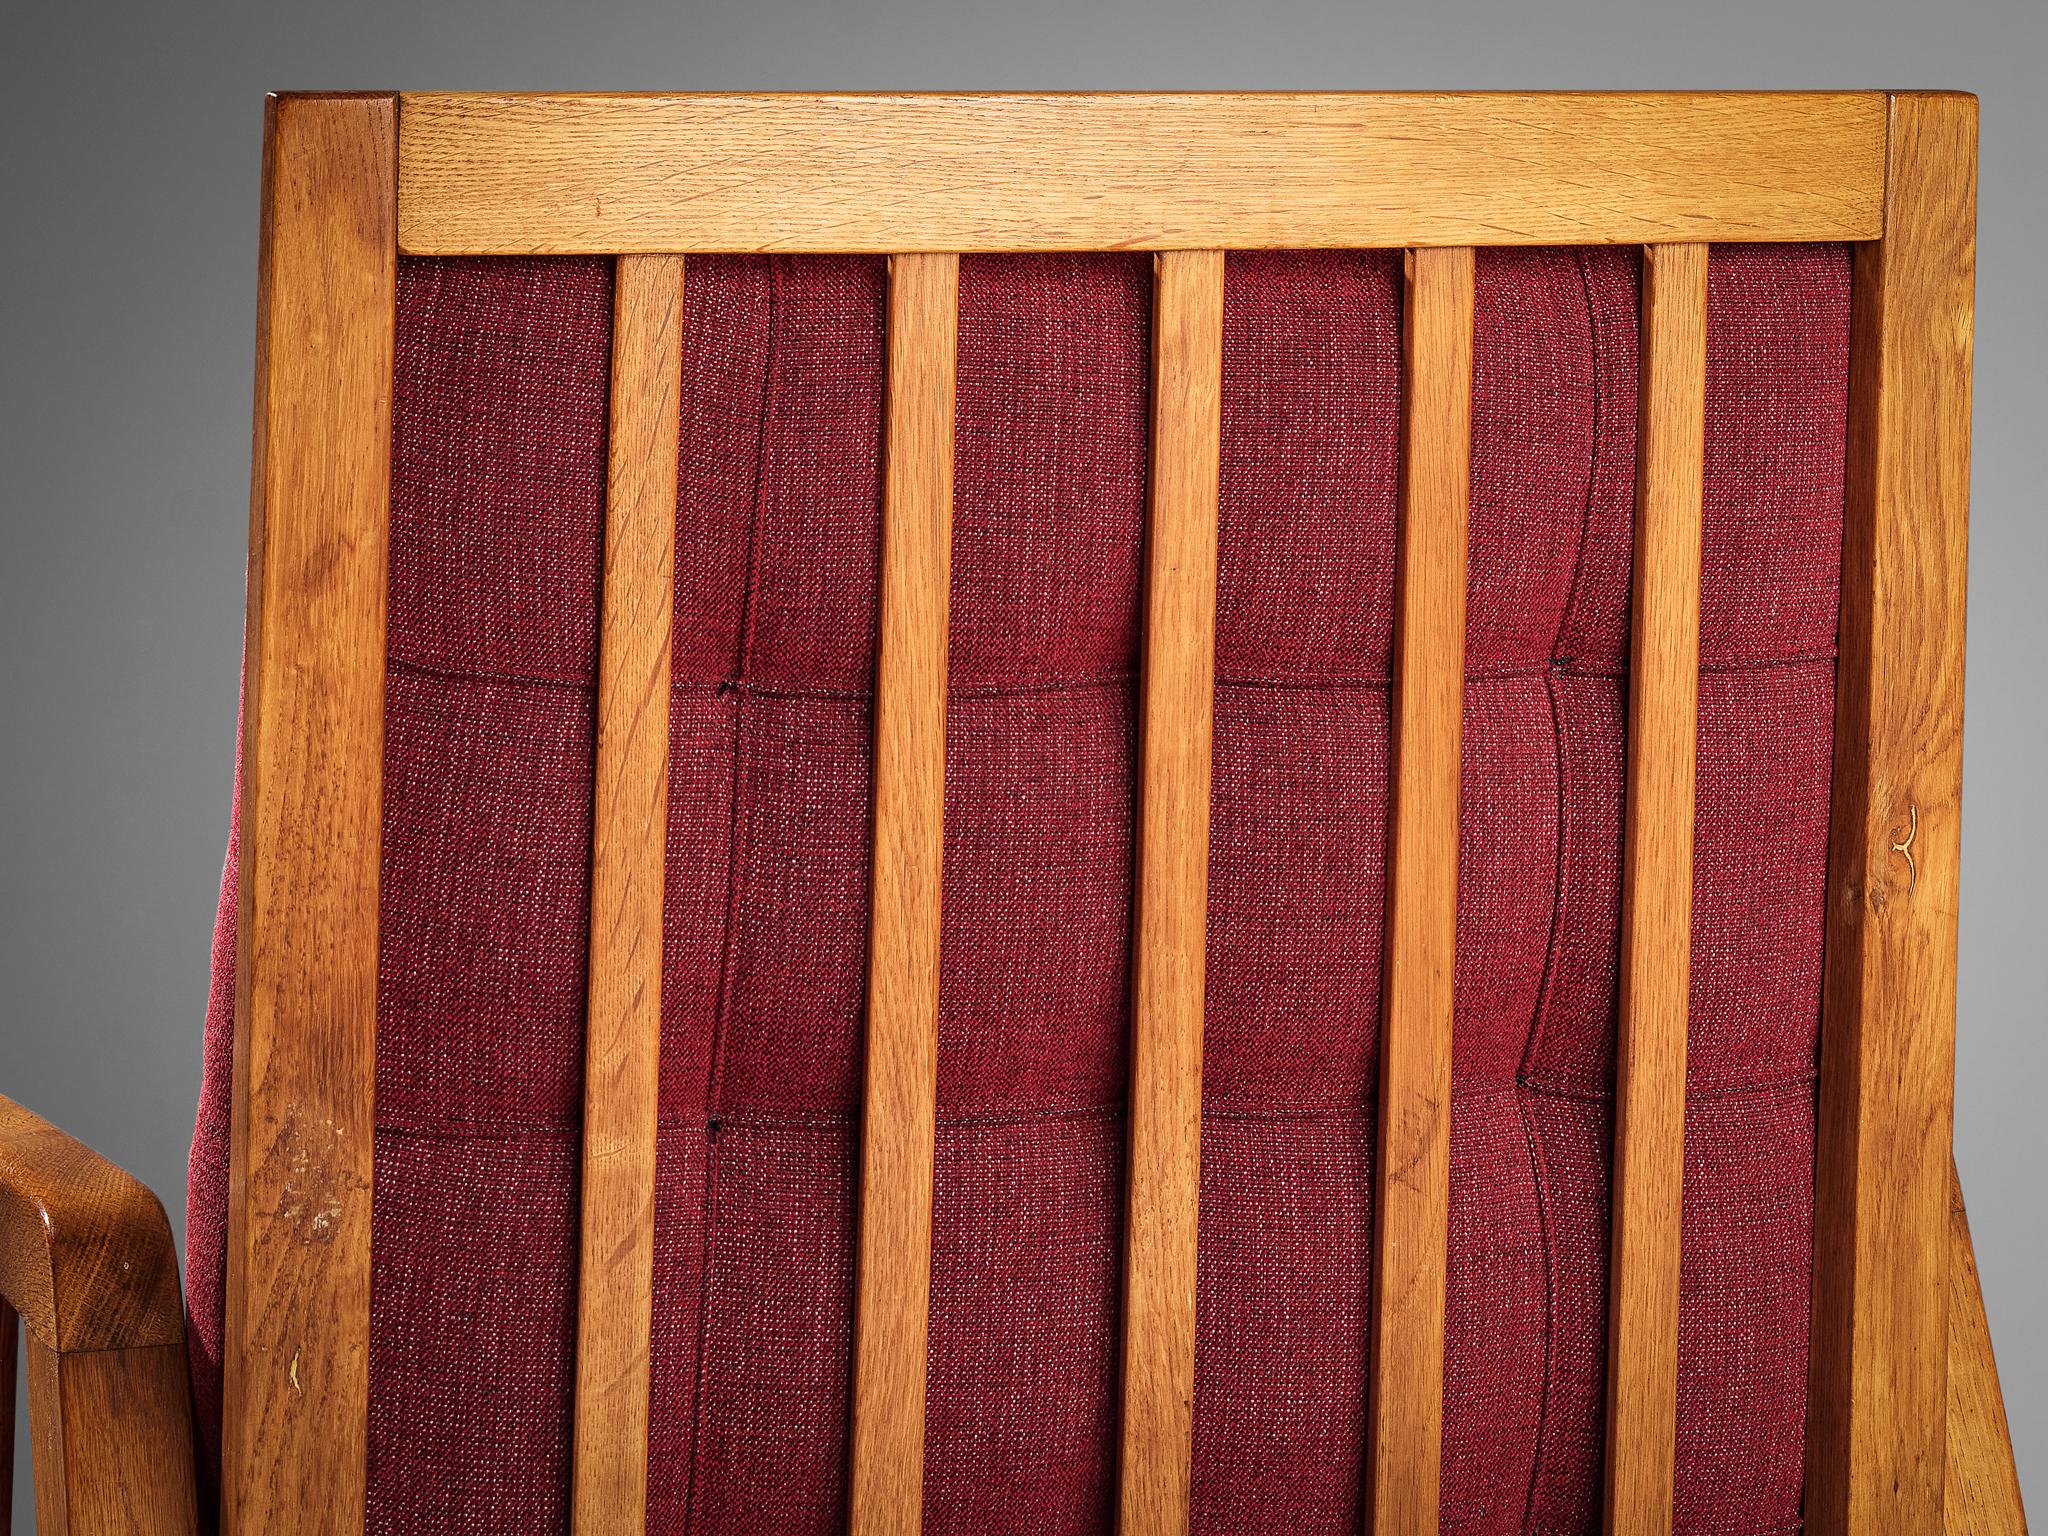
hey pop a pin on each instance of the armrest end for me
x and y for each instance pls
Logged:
(86, 1256)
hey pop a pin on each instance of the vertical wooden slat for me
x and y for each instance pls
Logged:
(894, 1281)
(1878, 1369)
(298, 1258)
(622, 1066)
(1170, 922)
(1411, 1176)
(1656, 910)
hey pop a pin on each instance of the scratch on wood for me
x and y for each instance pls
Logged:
(1905, 846)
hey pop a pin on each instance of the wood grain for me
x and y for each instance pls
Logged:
(88, 1262)
(1877, 1397)
(298, 1259)
(86, 1256)
(606, 174)
(111, 1432)
(1656, 910)
(622, 1061)
(1981, 1486)
(10, 1332)
(1170, 922)
(1411, 1174)
(894, 1276)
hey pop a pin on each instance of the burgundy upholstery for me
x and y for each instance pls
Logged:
(497, 503)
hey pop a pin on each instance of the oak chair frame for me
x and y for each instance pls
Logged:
(1905, 1430)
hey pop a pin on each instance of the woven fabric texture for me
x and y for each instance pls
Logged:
(498, 481)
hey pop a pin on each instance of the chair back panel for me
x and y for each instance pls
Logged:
(716, 686)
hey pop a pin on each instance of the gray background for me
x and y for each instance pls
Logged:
(130, 153)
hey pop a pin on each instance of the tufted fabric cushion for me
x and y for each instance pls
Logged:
(498, 483)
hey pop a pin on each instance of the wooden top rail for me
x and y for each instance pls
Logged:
(605, 175)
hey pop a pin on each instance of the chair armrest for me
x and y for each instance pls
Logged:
(86, 1258)
(86, 1255)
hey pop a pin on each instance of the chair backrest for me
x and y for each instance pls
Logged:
(353, 181)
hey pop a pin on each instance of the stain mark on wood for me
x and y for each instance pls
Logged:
(317, 1184)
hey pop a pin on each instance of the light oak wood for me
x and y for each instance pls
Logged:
(112, 1439)
(1877, 1400)
(1981, 1486)
(622, 1063)
(1170, 921)
(298, 1260)
(1656, 912)
(606, 174)
(1411, 1174)
(898, 1116)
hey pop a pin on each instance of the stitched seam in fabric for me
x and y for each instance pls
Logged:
(1558, 892)
(1766, 1087)
(1530, 1133)
(748, 1119)
(547, 680)
(1520, 672)
(714, 1072)
(825, 691)
(1533, 1141)
(771, 690)
(1598, 435)
(1294, 1114)
(430, 1128)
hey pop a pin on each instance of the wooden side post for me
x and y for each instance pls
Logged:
(1170, 923)
(1656, 911)
(298, 1259)
(1877, 1398)
(898, 1119)
(1411, 1173)
(622, 1063)
(1981, 1490)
